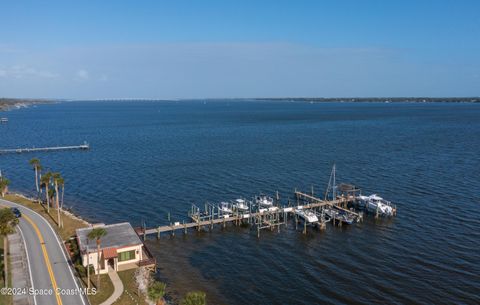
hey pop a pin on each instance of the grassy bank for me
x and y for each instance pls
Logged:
(106, 288)
(70, 223)
(5, 299)
(130, 295)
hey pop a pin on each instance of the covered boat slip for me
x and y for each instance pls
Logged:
(264, 218)
(337, 207)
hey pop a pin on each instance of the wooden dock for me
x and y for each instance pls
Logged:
(84, 146)
(265, 218)
(336, 208)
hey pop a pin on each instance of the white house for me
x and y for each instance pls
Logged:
(121, 248)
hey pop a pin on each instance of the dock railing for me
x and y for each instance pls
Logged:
(150, 260)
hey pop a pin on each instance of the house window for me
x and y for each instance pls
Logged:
(126, 256)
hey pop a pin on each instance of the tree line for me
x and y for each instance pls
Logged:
(50, 187)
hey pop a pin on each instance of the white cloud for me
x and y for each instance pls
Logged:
(83, 74)
(21, 71)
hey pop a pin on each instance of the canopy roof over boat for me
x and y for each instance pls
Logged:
(345, 187)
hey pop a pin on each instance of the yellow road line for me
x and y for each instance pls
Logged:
(45, 256)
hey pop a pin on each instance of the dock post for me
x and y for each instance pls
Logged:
(305, 227)
(158, 233)
(296, 222)
(258, 231)
(278, 222)
(185, 227)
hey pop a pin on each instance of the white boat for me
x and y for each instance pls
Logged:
(339, 215)
(263, 201)
(224, 208)
(240, 205)
(307, 215)
(374, 203)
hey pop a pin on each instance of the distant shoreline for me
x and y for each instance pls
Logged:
(382, 99)
(15, 103)
(296, 99)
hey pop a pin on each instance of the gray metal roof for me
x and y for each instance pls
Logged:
(345, 187)
(118, 235)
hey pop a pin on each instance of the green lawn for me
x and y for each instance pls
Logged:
(130, 293)
(106, 288)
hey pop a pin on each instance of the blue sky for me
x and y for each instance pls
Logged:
(201, 49)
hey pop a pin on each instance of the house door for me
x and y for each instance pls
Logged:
(111, 263)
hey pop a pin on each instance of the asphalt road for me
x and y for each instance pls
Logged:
(47, 258)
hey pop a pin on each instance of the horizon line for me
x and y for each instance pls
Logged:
(245, 98)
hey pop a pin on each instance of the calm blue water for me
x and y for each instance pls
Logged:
(151, 158)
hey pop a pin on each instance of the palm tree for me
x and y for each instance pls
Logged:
(4, 182)
(51, 195)
(7, 226)
(195, 298)
(61, 183)
(156, 291)
(35, 163)
(45, 181)
(56, 178)
(97, 234)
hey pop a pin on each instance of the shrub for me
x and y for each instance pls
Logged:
(195, 298)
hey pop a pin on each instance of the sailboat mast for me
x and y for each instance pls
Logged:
(334, 186)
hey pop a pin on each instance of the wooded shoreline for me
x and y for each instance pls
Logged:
(9, 103)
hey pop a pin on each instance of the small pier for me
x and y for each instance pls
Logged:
(84, 146)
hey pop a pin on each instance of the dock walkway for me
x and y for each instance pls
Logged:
(259, 217)
(84, 146)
